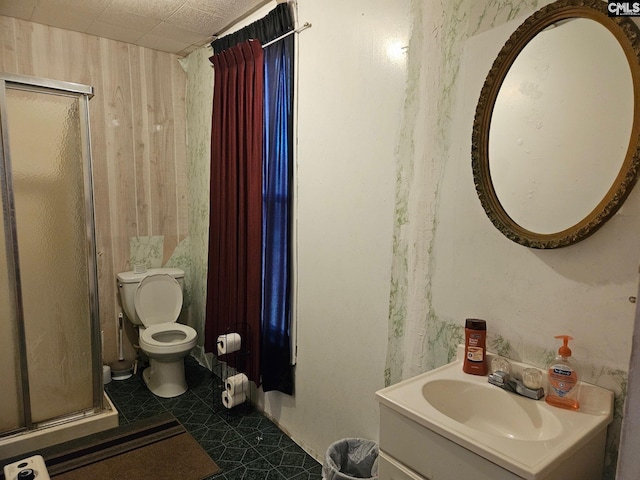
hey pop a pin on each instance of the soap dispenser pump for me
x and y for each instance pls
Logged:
(563, 378)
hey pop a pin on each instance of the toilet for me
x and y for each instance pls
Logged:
(152, 301)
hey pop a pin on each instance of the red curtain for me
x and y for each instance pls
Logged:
(234, 278)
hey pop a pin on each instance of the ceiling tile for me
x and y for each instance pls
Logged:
(203, 5)
(159, 9)
(233, 10)
(114, 32)
(196, 20)
(115, 15)
(176, 26)
(173, 32)
(87, 7)
(161, 43)
(17, 8)
(220, 7)
(230, 9)
(50, 12)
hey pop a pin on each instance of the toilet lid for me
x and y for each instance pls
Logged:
(158, 299)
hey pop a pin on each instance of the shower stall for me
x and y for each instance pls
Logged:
(50, 347)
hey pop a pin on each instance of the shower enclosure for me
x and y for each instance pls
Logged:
(50, 348)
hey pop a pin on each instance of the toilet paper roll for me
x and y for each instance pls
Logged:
(106, 374)
(231, 401)
(228, 343)
(237, 384)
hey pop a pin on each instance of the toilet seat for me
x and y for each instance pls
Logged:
(158, 299)
(167, 338)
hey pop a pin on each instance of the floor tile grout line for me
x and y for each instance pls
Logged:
(203, 396)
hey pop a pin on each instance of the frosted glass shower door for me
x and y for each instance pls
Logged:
(10, 380)
(48, 182)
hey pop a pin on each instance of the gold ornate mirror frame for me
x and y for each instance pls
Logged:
(628, 35)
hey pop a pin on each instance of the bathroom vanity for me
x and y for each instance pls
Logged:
(448, 425)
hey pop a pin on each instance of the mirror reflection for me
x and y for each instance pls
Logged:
(561, 125)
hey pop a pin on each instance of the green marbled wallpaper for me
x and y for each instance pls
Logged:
(419, 339)
(146, 251)
(199, 107)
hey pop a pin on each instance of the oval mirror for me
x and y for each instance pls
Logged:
(555, 147)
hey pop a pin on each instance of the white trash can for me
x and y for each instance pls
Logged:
(351, 458)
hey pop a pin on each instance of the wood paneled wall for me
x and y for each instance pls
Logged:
(137, 118)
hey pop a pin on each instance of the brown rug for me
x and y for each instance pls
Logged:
(157, 448)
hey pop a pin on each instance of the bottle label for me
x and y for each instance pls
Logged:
(562, 379)
(475, 354)
(475, 351)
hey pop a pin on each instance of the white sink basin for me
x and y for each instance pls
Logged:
(527, 437)
(486, 408)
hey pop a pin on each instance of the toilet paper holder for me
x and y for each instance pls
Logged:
(233, 346)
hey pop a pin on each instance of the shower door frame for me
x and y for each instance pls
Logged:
(83, 93)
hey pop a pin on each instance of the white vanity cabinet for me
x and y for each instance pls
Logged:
(410, 451)
(390, 469)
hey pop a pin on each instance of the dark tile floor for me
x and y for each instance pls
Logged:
(242, 441)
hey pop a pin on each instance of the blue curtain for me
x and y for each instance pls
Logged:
(275, 349)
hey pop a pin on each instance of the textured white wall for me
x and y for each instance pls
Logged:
(350, 94)
(628, 461)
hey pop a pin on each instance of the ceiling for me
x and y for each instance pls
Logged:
(174, 26)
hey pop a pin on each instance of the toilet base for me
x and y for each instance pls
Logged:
(165, 379)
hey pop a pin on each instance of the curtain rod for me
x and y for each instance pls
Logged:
(304, 26)
(296, 30)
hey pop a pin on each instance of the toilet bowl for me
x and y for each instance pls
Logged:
(167, 341)
(152, 301)
(166, 345)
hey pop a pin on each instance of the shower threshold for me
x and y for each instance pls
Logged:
(26, 442)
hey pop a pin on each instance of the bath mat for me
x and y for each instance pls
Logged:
(157, 448)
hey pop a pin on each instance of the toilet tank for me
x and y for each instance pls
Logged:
(129, 281)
